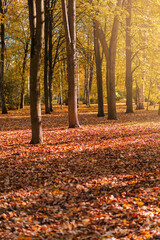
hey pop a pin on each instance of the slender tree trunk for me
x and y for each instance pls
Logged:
(111, 96)
(140, 97)
(149, 92)
(60, 85)
(50, 60)
(159, 109)
(70, 33)
(52, 5)
(137, 94)
(46, 59)
(87, 93)
(91, 73)
(128, 59)
(87, 81)
(77, 83)
(4, 108)
(90, 80)
(85, 85)
(23, 74)
(98, 61)
(148, 100)
(36, 17)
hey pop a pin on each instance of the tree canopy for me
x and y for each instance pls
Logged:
(144, 48)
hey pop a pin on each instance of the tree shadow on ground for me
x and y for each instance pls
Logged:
(86, 178)
(59, 190)
(21, 120)
(37, 166)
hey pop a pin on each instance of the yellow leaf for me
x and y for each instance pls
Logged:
(140, 204)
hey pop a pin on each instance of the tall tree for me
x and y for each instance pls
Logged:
(88, 78)
(110, 54)
(98, 61)
(52, 26)
(86, 95)
(36, 19)
(2, 12)
(46, 58)
(69, 19)
(23, 73)
(128, 59)
(50, 53)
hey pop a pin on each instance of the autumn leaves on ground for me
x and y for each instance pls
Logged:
(101, 181)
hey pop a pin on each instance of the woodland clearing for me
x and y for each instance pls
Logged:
(100, 181)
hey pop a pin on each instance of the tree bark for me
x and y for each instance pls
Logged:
(98, 61)
(91, 72)
(128, 59)
(69, 20)
(86, 85)
(4, 108)
(23, 73)
(111, 96)
(149, 92)
(50, 58)
(140, 96)
(46, 58)
(60, 84)
(110, 54)
(36, 18)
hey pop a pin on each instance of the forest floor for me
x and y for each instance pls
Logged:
(98, 182)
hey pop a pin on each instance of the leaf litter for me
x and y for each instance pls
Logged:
(101, 181)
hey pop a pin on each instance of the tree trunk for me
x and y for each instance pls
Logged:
(86, 86)
(70, 34)
(50, 59)
(46, 59)
(91, 73)
(149, 92)
(4, 108)
(139, 97)
(98, 61)
(128, 59)
(111, 96)
(36, 18)
(23, 73)
(142, 96)
(159, 109)
(77, 83)
(110, 54)
(88, 80)
(60, 84)
(52, 5)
